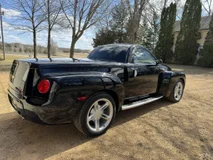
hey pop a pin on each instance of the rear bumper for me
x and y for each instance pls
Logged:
(55, 113)
(28, 115)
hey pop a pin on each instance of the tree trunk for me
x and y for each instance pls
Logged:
(49, 30)
(34, 43)
(165, 2)
(135, 20)
(49, 44)
(72, 48)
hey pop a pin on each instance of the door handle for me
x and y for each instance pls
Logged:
(135, 72)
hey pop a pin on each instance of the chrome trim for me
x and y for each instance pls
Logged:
(51, 94)
(140, 102)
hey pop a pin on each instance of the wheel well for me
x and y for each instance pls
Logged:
(114, 96)
(182, 81)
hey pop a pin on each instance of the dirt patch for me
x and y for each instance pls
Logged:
(160, 130)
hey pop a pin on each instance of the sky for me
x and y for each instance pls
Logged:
(61, 36)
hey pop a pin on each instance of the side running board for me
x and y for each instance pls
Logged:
(140, 103)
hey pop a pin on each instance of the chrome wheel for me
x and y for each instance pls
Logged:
(178, 92)
(99, 115)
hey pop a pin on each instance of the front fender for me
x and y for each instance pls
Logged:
(167, 81)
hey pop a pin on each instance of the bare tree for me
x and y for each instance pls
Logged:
(165, 3)
(207, 5)
(105, 22)
(159, 5)
(135, 14)
(30, 19)
(152, 16)
(180, 8)
(81, 15)
(52, 9)
(54, 48)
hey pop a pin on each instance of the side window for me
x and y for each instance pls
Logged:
(141, 55)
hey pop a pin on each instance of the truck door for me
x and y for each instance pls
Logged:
(146, 72)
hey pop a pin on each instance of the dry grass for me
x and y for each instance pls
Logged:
(160, 130)
(11, 57)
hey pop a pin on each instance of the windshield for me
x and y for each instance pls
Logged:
(109, 53)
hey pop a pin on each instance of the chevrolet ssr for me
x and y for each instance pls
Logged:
(90, 91)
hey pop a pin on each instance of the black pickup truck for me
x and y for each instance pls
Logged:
(90, 91)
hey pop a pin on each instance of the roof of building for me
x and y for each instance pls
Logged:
(204, 24)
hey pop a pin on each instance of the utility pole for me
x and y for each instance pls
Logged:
(2, 34)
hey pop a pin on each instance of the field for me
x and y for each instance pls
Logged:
(160, 130)
(5, 65)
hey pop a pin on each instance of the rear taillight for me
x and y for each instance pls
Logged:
(43, 86)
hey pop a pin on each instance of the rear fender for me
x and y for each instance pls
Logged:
(114, 86)
(74, 86)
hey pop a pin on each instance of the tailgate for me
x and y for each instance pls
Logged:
(18, 76)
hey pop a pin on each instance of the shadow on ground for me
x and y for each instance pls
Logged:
(21, 136)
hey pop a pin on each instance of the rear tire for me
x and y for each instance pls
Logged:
(96, 115)
(177, 92)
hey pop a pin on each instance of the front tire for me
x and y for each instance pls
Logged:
(177, 92)
(96, 115)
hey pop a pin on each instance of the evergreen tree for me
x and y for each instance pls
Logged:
(155, 30)
(116, 33)
(145, 36)
(104, 36)
(187, 46)
(164, 46)
(119, 18)
(147, 39)
(207, 53)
